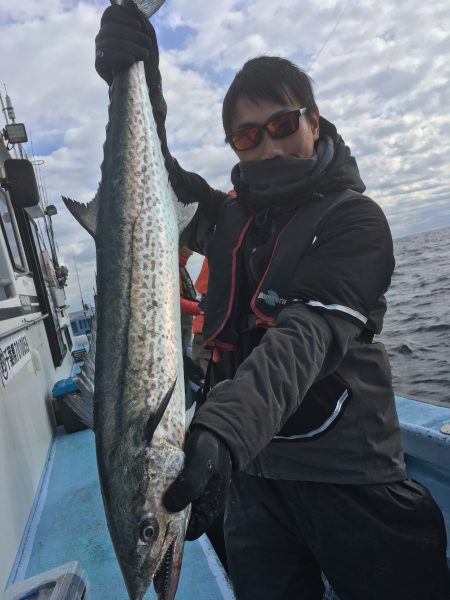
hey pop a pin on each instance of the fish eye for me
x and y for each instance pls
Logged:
(148, 529)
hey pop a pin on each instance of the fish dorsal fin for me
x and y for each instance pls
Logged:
(85, 214)
(155, 418)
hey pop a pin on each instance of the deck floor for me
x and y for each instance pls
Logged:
(68, 523)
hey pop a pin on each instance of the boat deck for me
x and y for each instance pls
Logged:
(67, 524)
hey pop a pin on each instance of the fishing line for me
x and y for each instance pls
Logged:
(331, 33)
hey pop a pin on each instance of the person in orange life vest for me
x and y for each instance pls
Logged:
(188, 298)
(189, 307)
(200, 355)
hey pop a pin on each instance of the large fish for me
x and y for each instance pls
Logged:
(139, 405)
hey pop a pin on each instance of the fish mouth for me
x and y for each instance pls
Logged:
(165, 580)
(166, 577)
(161, 580)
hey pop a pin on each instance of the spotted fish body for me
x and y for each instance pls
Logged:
(139, 404)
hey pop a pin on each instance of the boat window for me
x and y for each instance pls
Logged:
(51, 304)
(68, 337)
(33, 253)
(40, 254)
(10, 234)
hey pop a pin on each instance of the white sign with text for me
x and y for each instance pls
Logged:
(14, 354)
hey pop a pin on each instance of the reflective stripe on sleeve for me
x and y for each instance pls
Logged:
(339, 308)
(325, 425)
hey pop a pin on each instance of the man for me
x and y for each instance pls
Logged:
(301, 406)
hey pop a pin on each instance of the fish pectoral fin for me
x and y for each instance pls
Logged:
(155, 418)
(85, 214)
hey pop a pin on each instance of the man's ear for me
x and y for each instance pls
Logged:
(314, 122)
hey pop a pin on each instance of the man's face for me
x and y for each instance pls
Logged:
(299, 144)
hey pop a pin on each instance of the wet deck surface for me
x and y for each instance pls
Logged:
(68, 524)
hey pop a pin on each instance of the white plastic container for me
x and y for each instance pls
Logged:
(67, 582)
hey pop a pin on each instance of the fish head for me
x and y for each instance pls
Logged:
(149, 540)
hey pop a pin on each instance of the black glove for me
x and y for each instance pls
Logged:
(204, 481)
(126, 37)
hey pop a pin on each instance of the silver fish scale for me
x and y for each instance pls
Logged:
(154, 335)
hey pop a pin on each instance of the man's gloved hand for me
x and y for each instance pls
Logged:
(204, 481)
(125, 37)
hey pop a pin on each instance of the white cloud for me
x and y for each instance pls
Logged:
(381, 75)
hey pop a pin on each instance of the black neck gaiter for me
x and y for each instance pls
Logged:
(281, 182)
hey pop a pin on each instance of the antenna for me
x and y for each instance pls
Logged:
(9, 114)
(9, 107)
(6, 109)
(39, 176)
(5, 113)
(51, 238)
(79, 285)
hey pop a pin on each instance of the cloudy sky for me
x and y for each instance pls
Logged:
(381, 71)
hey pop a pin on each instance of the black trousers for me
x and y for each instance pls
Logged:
(372, 542)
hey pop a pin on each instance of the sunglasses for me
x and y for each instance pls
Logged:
(277, 127)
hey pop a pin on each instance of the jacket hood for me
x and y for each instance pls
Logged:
(342, 172)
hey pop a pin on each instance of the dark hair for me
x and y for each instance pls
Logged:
(268, 78)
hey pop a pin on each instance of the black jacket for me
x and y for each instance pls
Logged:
(295, 295)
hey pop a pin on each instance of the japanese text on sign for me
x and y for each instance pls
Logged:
(14, 354)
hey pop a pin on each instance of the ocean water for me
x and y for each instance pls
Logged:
(417, 324)
(416, 329)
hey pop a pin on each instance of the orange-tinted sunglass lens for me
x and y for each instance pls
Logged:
(246, 138)
(283, 125)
